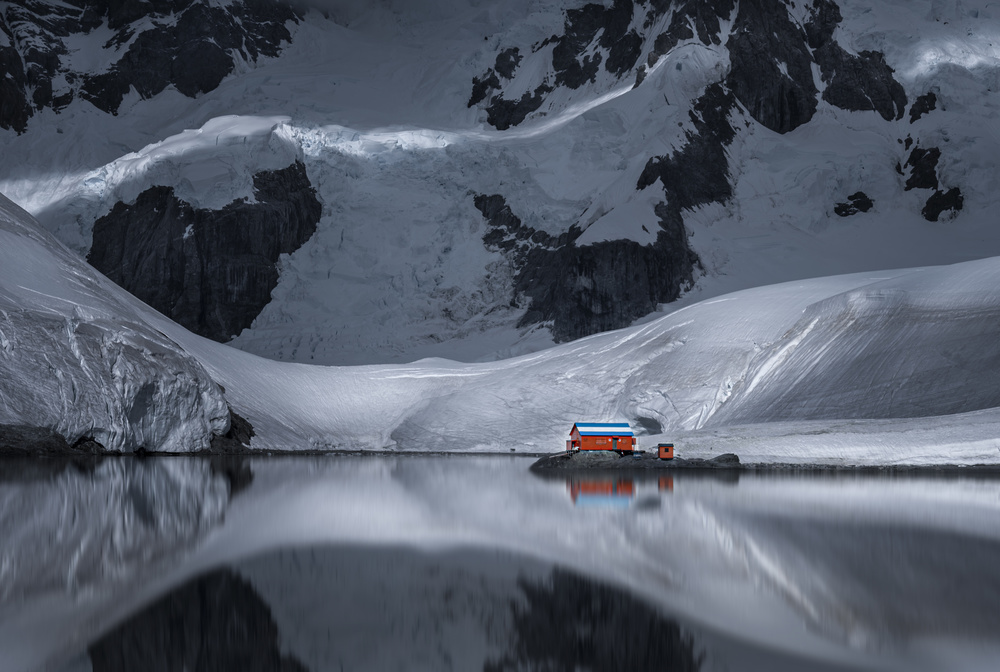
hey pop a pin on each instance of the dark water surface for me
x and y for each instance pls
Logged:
(473, 563)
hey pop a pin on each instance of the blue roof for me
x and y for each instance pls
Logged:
(603, 429)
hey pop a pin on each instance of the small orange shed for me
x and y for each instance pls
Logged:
(601, 436)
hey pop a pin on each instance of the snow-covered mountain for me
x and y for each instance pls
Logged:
(859, 369)
(384, 156)
(475, 180)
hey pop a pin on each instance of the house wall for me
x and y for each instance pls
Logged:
(605, 443)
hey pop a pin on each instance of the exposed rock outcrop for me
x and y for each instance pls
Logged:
(593, 36)
(581, 290)
(26, 440)
(859, 83)
(771, 58)
(941, 201)
(922, 105)
(922, 163)
(193, 53)
(698, 173)
(923, 168)
(186, 44)
(502, 114)
(693, 17)
(771, 72)
(210, 270)
(237, 439)
(856, 202)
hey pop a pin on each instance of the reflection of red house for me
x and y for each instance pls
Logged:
(601, 436)
(601, 492)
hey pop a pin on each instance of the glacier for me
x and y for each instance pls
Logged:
(857, 355)
(373, 100)
(79, 360)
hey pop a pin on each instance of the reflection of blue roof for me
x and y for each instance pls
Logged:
(603, 501)
(603, 429)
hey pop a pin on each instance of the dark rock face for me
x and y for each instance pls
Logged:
(923, 175)
(923, 168)
(159, 43)
(581, 290)
(237, 439)
(23, 440)
(593, 35)
(941, 201)
(210, 270)
(858, 83)
(481, 87)
(507, 62)
(856, 202)
(698, 173)
(573, 623)
(502, 114)
(764, 36)
(194, 54)
(922, 105)
(703, 15)
(29, 63)
(771, 57)
(216, 623)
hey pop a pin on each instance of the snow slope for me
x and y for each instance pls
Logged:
(373, 97)
(903, 347)
(79, 358)
(710, 366)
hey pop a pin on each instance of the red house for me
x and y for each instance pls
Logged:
(601, 436)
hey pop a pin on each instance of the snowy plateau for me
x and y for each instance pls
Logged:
(453, 225)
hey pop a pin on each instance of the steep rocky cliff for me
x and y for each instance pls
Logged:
(771, 54)
(583, 289)
(772, 57)
(488, 171)
(144, 46)
(210, 270)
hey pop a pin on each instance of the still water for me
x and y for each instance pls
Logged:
(474, 563)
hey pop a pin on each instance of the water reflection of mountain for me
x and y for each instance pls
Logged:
(569, 622)
(381, 609)
(869, 572)
(216, 623)
(69, 525)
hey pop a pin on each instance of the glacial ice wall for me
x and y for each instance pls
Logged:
(78, 359)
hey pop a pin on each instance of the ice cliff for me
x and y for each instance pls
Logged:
(79, 360)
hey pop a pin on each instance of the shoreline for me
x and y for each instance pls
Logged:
(40, 445)
(610, 462)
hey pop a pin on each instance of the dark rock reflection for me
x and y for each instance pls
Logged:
(216, 623)
(570, 623)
